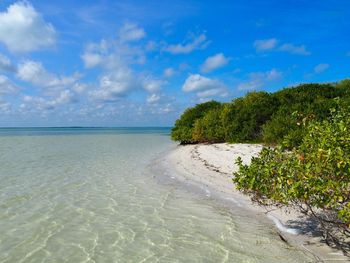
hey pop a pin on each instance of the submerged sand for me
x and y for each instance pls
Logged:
(210, 168)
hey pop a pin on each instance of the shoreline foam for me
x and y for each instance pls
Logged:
(209, 168)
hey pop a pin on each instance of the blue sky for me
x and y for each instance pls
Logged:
(141, 63)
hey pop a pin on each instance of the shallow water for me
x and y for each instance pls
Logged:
(91, 197)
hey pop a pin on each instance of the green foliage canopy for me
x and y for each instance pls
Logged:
(260, 116)
(183, 128)
(316, 174)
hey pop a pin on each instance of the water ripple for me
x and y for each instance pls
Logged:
(92, 199)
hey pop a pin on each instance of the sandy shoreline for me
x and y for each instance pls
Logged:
(209, 168)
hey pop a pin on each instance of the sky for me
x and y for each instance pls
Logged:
(141, 63)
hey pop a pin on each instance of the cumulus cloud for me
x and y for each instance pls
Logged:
(196, 42)
(6, 64)
(214, 62)
(152, 85)
(114, 85)
(257, 80)
(112, 54)
(79, 87)
(6, 86)
(34, 72)
(117, 59)
(131, 32)
(271, 44)
(153, 98)
(95, 53)
(56, 90)
(204, 87)
(121, 82)
(41, 103)
(91, 59)
(265, 44)
(23, 29)
(64, 97)
(294, 49)
(321, 68)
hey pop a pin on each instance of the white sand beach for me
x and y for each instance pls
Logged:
(210, 168)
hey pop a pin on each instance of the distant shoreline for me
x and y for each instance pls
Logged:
(209, 168)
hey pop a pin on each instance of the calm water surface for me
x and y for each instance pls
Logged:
(76, 195)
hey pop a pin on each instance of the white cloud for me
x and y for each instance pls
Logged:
(112, 54)
(35, 73)
(196, 82)
(42, 104)
(196, 42)
(294, 49)
(95, 54)
(214, 62)
(152, 85)
(116, 84)
(91, 59)
(265, 44)
(271, 44)
(79, 87)
(6, 86)
(153, 98)
(169, 72)
(116, 59)
(131, 32)
(258, 79)
(23, 29)
(57, 90)
(204, 87)
(64, 97)
(321, 68)
(5, 64)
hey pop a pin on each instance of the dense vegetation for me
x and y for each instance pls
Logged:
(315, 176)
(309, 163)
(183, 130)
(260, 116)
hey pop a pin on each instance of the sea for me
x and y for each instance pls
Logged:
(94, 195)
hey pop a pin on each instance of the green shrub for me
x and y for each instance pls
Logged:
(306, 100)
(281, 124)
(260, 116)
(244, 118)
(183, 128)
(315, 175)
(209, 128)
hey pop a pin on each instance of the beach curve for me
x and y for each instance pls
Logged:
(209, 167)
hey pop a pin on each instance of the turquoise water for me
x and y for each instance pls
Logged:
(75, 195)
